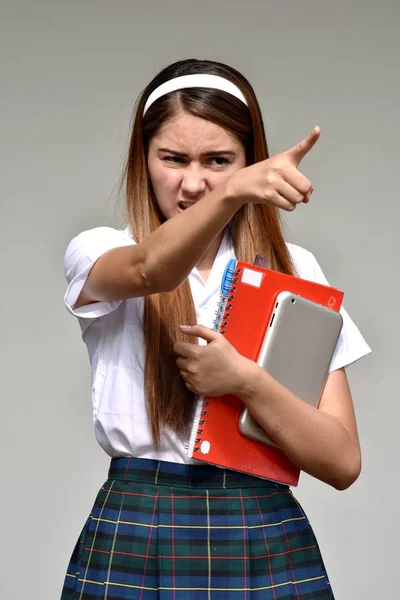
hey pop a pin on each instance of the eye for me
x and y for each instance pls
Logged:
(173, 159)
(219, 161)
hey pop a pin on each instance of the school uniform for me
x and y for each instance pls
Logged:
(164, 526)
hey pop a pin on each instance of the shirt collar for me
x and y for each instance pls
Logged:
(202, 290)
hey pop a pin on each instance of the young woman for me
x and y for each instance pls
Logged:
(200, 189)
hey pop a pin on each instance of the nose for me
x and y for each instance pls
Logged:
(193, 181)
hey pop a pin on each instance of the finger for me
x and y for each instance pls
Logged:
(281, 202)
(186, 378)
(308, 196)
(200, 331)
(298, 152)
(298, 181)
(182, 363)
(183, 348)
(289, 192)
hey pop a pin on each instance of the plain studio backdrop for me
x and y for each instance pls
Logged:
(70, 74)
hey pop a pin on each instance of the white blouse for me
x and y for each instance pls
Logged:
(113, 334)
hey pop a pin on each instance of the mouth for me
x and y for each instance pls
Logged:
(184, 205)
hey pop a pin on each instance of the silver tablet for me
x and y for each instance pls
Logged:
(297, 351)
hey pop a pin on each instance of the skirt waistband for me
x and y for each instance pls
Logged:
(181, 475)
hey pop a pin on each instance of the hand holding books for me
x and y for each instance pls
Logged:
(215, 437)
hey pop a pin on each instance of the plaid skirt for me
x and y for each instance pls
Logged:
(169, 531)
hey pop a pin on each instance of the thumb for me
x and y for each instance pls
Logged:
(200, 331)
(298, 152)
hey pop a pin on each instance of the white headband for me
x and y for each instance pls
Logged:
(194, 81)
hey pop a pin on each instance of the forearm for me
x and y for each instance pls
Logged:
(174, 248)
(313, 440)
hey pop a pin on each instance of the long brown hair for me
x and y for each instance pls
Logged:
(256, 228)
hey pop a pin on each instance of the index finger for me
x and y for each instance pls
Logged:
(298, 152)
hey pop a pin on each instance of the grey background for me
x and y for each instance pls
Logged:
(70, 74)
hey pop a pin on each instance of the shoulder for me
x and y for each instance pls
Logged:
(101, 235)
(99, 239)
(86, 247)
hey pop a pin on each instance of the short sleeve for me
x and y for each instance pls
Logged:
(81, 254)
(351, 345)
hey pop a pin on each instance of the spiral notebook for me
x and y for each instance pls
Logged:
(247, 299)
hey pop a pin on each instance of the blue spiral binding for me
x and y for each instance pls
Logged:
(201, 405)
(226, 284)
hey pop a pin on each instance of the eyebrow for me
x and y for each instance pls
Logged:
(184, 155)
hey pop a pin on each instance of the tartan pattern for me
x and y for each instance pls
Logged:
(169, 531)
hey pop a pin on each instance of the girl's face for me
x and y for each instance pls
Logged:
(188, 158)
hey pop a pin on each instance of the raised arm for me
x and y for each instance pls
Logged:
(163, 260)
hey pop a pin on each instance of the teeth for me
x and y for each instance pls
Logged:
(184, 205)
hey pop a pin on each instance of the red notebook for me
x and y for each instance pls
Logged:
(245, 314)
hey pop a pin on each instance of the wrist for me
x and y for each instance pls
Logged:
(246, 382)
(231, 193)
